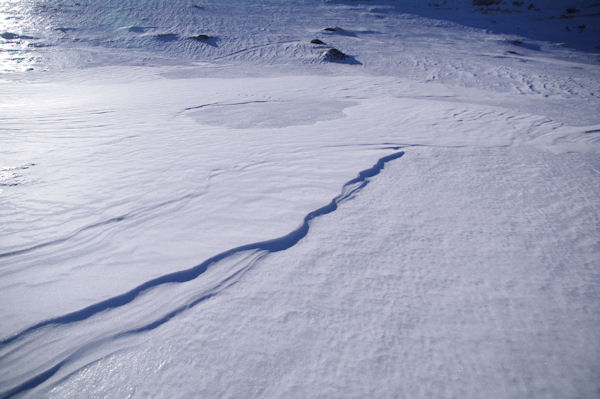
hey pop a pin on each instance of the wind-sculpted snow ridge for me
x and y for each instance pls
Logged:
(26, 342)
(129, 215)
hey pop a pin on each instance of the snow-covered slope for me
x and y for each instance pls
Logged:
(240, 215)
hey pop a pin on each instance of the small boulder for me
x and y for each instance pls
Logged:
(334, 55)
(339, 31)
(202, 38)
(317, 41)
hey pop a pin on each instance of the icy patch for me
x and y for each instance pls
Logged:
(268, 114)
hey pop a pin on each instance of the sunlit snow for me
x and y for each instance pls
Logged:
(198, 201)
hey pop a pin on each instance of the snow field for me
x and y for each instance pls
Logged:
(384, 290)
(237, 192)
(143, 175)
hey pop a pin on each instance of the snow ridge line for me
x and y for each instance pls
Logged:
(256, 47)
(218, 104)
(349, 189)
(116, 219)
(274, 245)
(88, 347)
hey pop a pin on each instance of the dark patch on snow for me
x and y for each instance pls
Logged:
(40, 45)
(335, 55)
(485, 2)
(339, 31)
(64, 30)
(317, 41)
(166, 37)
(9, 36)
(137, 29)
(521, 43)
(202, 37)
(210, 40)
(530, 46)
(12, 36)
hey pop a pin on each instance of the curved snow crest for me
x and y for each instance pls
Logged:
(274, 245)
(263, 248)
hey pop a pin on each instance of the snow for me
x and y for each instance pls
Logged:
(180, 218)
(369, 305)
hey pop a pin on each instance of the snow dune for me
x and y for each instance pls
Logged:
(188, 217)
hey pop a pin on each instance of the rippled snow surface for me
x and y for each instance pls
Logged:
(195, 201)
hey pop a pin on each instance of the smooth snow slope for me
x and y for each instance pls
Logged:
(240, 217)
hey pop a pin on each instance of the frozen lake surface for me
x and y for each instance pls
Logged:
(197, 201)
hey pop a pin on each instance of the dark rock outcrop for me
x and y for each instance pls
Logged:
(334, 55)
(201, 38)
